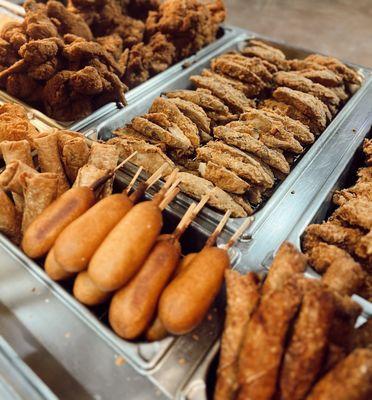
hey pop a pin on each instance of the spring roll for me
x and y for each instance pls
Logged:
(10, 177)
(39, 191)
(9, 218)
(75, 154)
(19, 150)
(242, 297)
(88, 174)
(49, 159)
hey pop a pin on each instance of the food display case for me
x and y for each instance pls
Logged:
(72, 348)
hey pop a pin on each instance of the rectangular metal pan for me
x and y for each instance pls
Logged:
(103, 131)
(51, 312)
(226, 33)
(321, 207)
(17, 380)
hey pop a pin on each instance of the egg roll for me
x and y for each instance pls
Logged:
(49, 158)
(39, 191)
(88, 174)
(9, 218)
(17, 150)
(75, 154)
(10, 177)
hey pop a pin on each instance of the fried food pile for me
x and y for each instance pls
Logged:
(250, 117)
(41, 166)
(292, 338)
(341, 247)
(70, 61)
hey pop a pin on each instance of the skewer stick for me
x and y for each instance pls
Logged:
(168, 183)
(238, 233)
(133, 181)
(125, 161)
(169, 198)
(156, 176)
(16, 67)
(174, 185)
(213, 238)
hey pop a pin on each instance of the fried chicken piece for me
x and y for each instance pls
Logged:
(167, 107)
(302, 84)
(223, 178)
(344, 275)
(13, 33)
(254, 64)
(148, 156)
(287, 262)
(197, 187)
(36, 23)
(351, 379)
(68, 22)
(24, 87)
(237, 71)
(306, 104)
(365, 175)
(163, 53)
(362, 190)
(363, 336)
(251, 145)
(269, 132)
(364, 246)
(244, 165)
(264, 342)
(331, 233)
(242, 298)
(196, 114)
(248, 90)
(225, 92)
(367, 149)
(171, 137)
(137, 66)
(356, 212)
(113, 44)
(347, 74)
(322, 255)
(307, 347)
(268, 53)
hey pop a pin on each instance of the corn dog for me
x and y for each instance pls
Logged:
(78, 242)
(133, 307)
(53, 269)
(187, 299)
(87, 292)
(126, 247)
(42, 233)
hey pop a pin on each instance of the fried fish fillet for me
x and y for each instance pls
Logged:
(287, 262)
(351, 379)
(356, 212)
(271, 54)
(344, 275)
(249, 144)
(189, 129)
(242, 298)
(229, 95)
(197, 187)
(307, 347)
(242, 164)
(196, 114)
(223, 178)
(331, 233)
(264, 342)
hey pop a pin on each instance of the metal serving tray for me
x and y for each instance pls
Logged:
(17, 380)
(322, 204)
(226, 33)
(64, 328)
(209, 217)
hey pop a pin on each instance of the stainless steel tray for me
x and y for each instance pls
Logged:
(209, 217)
(226, 34)
(322, 204)
(17, 380)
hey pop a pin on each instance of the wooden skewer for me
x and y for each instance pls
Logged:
(133, 181)
(213, 238)
(125, 161)
(156, 176)
(188, 216)
(168, 183)
(174, 185)
(16, 67)
(238, 233)
(169, 198)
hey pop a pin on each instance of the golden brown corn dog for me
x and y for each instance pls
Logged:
(87, 292)
(126, 247)
(77, 243)
(133, 307)
(53, 269)
(40, 236)
(186, 300)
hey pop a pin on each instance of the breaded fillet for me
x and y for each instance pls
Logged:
(351, 379)
(263, 346)
(307, 346)
(362, 190)
(287, 262)
(322, 255)
(262, 50)
(356, 212)
(242, 298)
